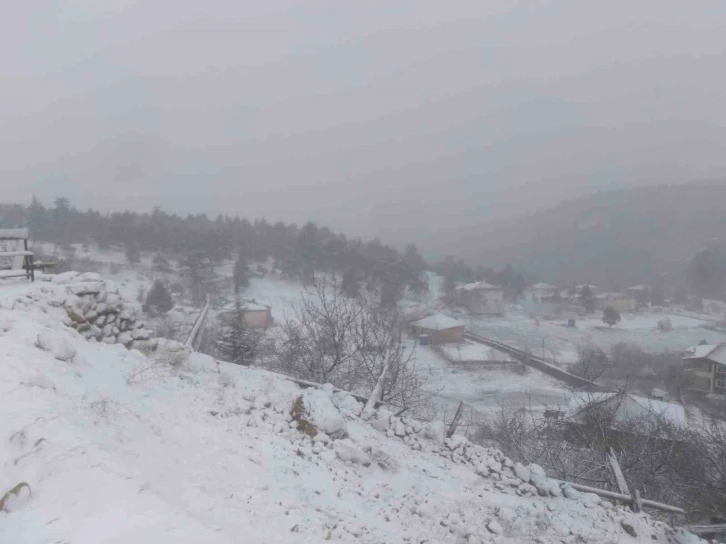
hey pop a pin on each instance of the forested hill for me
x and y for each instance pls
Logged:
(200, 242)
(617, 238)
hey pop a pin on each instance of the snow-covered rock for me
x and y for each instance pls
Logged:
(521, 472)
(323, 413)
(88, 288)
(435, 431)
(56, 344)
(65, 277)
(347, 450)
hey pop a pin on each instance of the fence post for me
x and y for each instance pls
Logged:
(457, 418)
(619, 478)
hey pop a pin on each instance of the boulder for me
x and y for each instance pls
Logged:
(56, 344)
(348, 451)
(90, 288)
(65, 277)
(495, 527)
(89, 277)
(570, 492)
(140, 334)
(435, 431)
(521, 472)
(321, 412)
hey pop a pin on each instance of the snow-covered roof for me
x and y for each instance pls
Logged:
(632, 407)
(713, 352)
(479, 286)
(13, 234)
(437, 322)
(247, 305)
(543, 286)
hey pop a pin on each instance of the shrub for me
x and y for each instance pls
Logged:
(158, 301)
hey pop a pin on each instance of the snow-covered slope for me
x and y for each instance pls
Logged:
(117, 447)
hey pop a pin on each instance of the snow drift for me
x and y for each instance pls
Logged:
(114, 446)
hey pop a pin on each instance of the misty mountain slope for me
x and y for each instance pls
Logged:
(118, 447)
(614, 238)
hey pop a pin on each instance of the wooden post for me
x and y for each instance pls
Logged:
(615, 466)
(625, 498)
(376, 393)
(457, 418)
(637, 502)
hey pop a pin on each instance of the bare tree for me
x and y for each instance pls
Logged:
(333, 338)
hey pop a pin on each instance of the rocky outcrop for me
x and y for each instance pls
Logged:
(97, 311)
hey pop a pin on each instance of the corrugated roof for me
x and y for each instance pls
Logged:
(437, 322)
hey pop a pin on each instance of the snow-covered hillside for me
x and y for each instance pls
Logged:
(117, 446)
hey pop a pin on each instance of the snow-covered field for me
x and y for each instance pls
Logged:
(472, 351)
(486, 387)
(560, 343)
(116, 446)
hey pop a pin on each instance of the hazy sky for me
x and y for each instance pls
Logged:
(392, 117)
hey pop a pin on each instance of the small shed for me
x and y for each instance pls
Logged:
(439, 328)
(256, 314)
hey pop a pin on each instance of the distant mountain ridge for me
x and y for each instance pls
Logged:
(612, 239)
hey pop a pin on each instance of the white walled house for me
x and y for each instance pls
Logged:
(481, 298)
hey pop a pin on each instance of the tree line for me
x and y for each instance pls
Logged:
(199, 242)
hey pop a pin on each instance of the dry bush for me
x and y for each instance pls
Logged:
(627, 364)
(685, 467)
(348, 342)
(300, 414)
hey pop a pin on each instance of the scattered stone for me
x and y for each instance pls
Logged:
(495, 527)
(347, 450)
(521, 472)
(628, 528)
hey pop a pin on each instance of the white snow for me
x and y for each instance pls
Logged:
(437, 322)
(560, 344)
(119, 447)
(473, 351)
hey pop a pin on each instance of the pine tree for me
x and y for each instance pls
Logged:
(158, 301)
(161, 264)
(611, 316)
(236, 341)
(351, 283)
(587, 298)
(131, 251)
(240, 275)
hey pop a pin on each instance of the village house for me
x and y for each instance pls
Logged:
(706, 368)
(439, 328)
(621, 303)
(481, 298)
(256, 315)
(542, 292)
